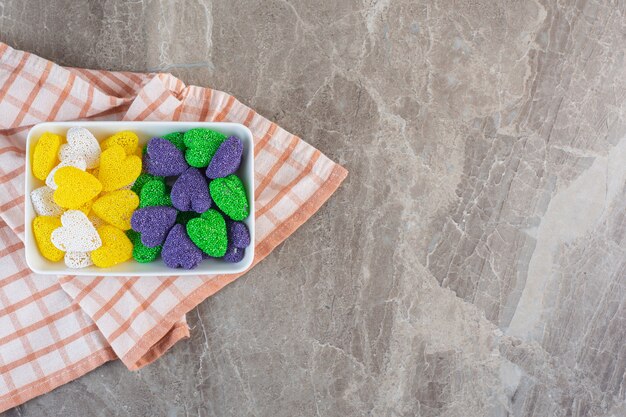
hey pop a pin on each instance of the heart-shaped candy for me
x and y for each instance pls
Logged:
(77, 233)
(43, 202)
(76, 163)
(201, 146)
(43, 227)
(78, 259)
(142, 253)
(45, 154)
(116, 247)
(208, 232)
(229, 195)
(163, 158)
(154, 193)
(118, 169)
(153, 223)
(227, 158)
(238, 234)
(81, 144)
(179, 251)
(126, 139)
(75, 187)
(116, 208)
(142, 179)
(177, 139)
(190, 192)
(233, 254)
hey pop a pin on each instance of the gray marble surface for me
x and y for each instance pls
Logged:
(473, 263)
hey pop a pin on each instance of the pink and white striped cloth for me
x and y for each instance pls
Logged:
(53, 330)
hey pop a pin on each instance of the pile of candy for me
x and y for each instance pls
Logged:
(99, 208)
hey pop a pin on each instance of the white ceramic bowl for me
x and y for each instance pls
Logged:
(145, 131)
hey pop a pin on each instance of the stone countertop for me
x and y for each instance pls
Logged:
(474, 261)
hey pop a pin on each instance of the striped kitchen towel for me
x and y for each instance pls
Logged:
(53, 330)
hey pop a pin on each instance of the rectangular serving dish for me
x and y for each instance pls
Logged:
(145, 131)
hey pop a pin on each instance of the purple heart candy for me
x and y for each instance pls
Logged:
(238, 234)
(233, 254)
(164, 159)
(179, 251)
(153, 223)
(190, 192)
(226, 159)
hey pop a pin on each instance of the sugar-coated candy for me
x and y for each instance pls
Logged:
(81, 144)
(118, 169)
(142, 253)
(154, 193)
(45, 154)
(43, 202)
(78, 259)
(142, 179)
(116, 208)
(43, 227)
(75, 187)
(190, 192)
(153, 223)
(238, 234)
(177, 139)
(76, 163)
(76, 234)
(229, 195)
(227, 159)
(126, 139)
(116, 247)
(208, 232)
(233, 254)
(179, 251)
(201, 146)
(164, 159)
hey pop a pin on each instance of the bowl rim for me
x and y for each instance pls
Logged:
(32, 253)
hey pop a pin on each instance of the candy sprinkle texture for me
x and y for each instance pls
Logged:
(208, 232)
(142, 253)
(201, 146)
(142, 180)
(154, 193)
(229, 195)
(116, 247)
(45, 154)
(43, 226)
(75, 187)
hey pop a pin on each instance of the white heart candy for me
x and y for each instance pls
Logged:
(78, 259)
(43, 203)
(81, 144)
(76, 163)
(77, 233)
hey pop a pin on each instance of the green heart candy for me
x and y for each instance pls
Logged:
(177, 139)
(142, 253)
(201, 146)
(183, 217)
(208, 232)
(229, 195)
(142, 180)
(154, 193)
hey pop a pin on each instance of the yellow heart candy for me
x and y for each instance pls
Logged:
(116, 208)
(75, 187)
(116, 247)
(45, 154)
(126, 139)
(42, 229)
(118, 170)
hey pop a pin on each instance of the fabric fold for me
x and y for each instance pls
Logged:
(53, 330)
